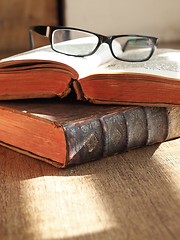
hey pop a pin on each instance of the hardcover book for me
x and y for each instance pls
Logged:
(99, 78)
(63, 133)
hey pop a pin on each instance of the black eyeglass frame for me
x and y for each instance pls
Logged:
(47, 31)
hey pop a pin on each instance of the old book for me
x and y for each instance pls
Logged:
(72, 133)
(98, 78)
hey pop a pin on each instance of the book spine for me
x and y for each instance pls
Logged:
(115, 132)
(133, 128)
(173, 122)
(84, 141)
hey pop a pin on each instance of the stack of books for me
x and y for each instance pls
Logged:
(69, 110)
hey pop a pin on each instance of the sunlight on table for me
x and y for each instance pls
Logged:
(171, 167)
(50, 211)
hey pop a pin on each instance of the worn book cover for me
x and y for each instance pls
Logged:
(64, 133)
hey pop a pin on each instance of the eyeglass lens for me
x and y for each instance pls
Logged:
(74, 42)
(132, 48)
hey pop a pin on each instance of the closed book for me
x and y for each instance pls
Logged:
(66, 133)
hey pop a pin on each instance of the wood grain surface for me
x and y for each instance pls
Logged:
(134, 195)
(16, 16)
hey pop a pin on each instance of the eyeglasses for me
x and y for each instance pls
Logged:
(81, 43)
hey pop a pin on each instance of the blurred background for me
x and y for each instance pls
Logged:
(160, 18)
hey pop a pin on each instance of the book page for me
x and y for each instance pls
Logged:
(83, 65)
(164, 62)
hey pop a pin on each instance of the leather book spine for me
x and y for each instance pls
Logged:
(116, 132)
(157, 124)
(133, 128)
(84, 141)
(173, 122)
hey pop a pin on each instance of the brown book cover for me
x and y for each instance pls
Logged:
(64, 133)
(99, 78)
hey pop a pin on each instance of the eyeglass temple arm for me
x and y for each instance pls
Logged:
(132, 40)
(31, 39)
(42, 30)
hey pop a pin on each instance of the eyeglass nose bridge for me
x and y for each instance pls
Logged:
(105, 39)
(108, 41)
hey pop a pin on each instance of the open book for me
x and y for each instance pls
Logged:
(98, 78)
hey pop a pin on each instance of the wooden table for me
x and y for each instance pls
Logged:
(133, 195)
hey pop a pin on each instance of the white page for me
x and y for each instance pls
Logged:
(164, 62)
(83, 65)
